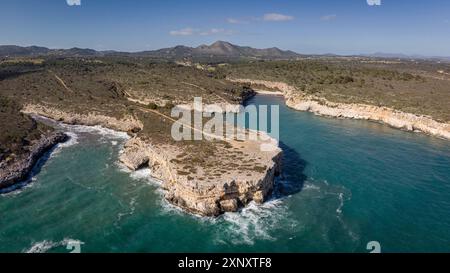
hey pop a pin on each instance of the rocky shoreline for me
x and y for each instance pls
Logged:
(196, 189)
(20, 169)
(320, 106)
(198, 194)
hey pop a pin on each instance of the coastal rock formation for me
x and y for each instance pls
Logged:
(127, 124)
(199, 192)
(20, 169)
(396, 119)
(206, 178)
(320, 106)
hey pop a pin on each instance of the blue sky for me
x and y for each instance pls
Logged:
(315, 26)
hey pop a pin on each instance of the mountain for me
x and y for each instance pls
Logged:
(12, 50)
(30, 51)
(223, 49)
(219, 49)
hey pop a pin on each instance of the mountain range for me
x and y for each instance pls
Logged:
(217, 49)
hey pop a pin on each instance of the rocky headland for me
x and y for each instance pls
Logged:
(19, 170)
(198, 188)
(223, 177)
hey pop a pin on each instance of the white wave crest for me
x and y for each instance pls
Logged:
(109, 133)
(256, 222)
(73, 139)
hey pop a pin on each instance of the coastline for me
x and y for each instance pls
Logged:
(20, 169)
(196, 189)
(322, 107)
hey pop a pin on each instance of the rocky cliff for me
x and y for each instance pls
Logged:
(197, 191)
(228, 176)
(126, 124)
(20, 169)
(320, 106)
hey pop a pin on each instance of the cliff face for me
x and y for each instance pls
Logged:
(197, 192)
(320, 106)
(127, 124)
(19, 170)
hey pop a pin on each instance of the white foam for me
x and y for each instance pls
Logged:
(109, 133)
(141, 174)
(73, 140)
(310, 187)
(132, 206)
(256, 222)
(144, 174)
(41, 247)
(341, 203)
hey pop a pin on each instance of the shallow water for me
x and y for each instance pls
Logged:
(345, 183)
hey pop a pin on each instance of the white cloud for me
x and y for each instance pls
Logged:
(374, 2)
(73, 2)
(215, 31)
(277, 17)
(233, 21)
(328, 17)
(183, 32)
(190, 31)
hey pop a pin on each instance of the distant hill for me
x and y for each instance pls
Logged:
(219, 49)
(216, 52)
(12, 50)
(405, 56)
(30, 51)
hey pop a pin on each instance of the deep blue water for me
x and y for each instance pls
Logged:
(345, 183)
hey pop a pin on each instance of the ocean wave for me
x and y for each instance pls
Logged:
(341, 203)
(144, 174)
(18, 188)
(45, 246)
(73, 140)
(255, 221)
(97, 129)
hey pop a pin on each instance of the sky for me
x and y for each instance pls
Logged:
(310, 27)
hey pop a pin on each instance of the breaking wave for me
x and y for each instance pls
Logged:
(255, 221)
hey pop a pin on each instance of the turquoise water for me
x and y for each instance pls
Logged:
(345, 183)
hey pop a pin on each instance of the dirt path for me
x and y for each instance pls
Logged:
(60, 81)
(155, 112)
(201, 88)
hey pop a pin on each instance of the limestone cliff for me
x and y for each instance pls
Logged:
(199, 193)
(320, 106)
(20, 169)
(126, 124)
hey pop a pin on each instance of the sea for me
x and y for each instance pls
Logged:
(347, 186)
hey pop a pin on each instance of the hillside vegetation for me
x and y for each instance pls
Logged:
(113, 87)
(420, 88)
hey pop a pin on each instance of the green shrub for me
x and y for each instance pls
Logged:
(152, 106)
